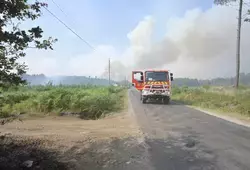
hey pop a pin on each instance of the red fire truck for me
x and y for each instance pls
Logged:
(153, 84)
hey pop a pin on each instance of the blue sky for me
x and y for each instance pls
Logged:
(105, 24)
(109, 21)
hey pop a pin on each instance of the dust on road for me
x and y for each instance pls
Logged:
(114, 142)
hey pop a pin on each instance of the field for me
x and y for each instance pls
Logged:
(66, 127)
(222, 99)
(87, 101)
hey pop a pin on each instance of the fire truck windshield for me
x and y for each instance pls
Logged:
(156, 76)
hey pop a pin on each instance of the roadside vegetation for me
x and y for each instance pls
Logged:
(89, 102)
(223, 99)
(66, 142)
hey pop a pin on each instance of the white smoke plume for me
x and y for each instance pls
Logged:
(200, 44)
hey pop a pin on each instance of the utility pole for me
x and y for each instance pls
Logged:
(109, 71)
(238, 46)
(125, 81)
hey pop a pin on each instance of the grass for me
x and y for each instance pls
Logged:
(90, 102)
(222, 99)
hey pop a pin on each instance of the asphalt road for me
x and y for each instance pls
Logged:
(181, 138)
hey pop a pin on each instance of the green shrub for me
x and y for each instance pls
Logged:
(176, 90)
(206, 87)
(236, 102)
(88, 101)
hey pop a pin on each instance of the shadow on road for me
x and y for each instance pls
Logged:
(17, 154)
(172, 102)
(115, 154)
(177, 102)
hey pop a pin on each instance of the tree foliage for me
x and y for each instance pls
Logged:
(248, 19)
(14, 41)
(227, 2)
(223, 2)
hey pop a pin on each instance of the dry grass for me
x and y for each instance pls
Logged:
(75, 129)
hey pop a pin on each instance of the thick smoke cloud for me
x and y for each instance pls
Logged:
(199, 44)
(146, 53)
(203, 34)
(159, 54)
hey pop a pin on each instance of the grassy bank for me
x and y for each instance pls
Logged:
(223, 99)
(88, 101)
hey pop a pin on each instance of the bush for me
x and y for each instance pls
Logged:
(206, 87)
(235, 102)
(88, 101)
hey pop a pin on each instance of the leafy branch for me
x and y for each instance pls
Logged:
(13, 40)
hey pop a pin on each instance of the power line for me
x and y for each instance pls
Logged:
(69, 28)
(59, 8)
(109, 64)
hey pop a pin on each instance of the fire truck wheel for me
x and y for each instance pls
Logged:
(166, 100)
(144, 100)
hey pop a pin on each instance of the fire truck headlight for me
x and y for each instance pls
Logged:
(146, 92)
(167, 92)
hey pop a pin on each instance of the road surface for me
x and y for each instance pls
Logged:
(181, 138)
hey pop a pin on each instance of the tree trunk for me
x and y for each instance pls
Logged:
(238, 46)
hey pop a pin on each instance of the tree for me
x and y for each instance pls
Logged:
(224, 2)
(14, 41)
(248, 19)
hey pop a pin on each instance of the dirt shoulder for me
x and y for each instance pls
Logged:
(119, 125)
(71, 143)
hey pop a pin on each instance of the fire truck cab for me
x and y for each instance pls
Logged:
(153, 84)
